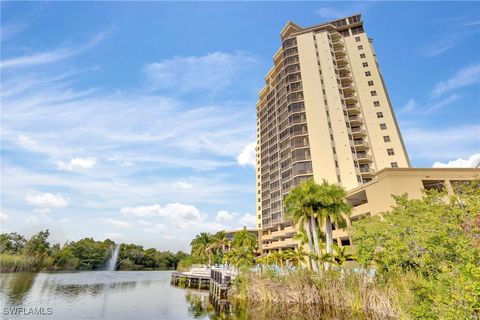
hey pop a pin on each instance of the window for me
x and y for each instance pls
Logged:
(386, 138)
(370, 83)
(376, 103)
(390, 152)
(383, 126)
(368, 74)
(360, 47)
(362, 55)
(379, 115)
(394, 164)
(373, 93)
(357, 39)
(365, 64)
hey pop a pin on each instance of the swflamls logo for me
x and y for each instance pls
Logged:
(27, 311)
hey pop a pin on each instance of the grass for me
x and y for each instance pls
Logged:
(353, 293)
(17, 263)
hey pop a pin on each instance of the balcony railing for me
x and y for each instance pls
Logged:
(355, 120)
(353, 109)
(348, 89)
(366, 170)
(342, 61)
(345, 78)
(359, 131)
(349, 98)
(338, 44)
(364, 157)
(361, 144)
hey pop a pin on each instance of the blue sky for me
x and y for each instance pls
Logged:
(136, 121)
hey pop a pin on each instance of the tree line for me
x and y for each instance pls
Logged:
(207, 248)
(18, 253)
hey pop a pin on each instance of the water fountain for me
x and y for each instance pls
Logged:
(112, 262)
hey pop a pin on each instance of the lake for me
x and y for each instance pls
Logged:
(138, 295)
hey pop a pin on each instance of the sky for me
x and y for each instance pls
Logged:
(135, 121)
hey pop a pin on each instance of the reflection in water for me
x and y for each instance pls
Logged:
(17, 287)
(135, 295)
(200, 307)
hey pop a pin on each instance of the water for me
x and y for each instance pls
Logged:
(112, 262)
(139, 295)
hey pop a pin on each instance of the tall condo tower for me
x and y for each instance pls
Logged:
(324, 113)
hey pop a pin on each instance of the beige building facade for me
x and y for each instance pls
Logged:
(376, 196)
(324, 113)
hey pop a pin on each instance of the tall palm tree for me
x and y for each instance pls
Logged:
(299, 206)
(219, 243)
(245, 239)
(201, 246)
(331, 207)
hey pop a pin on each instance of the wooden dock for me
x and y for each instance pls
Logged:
(217, 280)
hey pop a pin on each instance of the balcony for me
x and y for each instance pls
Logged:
(358, 132)
(362, 157)
(366, 171)
(346, 78)
(342, 61)
(340, 52)
(338, 45)
(344, 69)
(350, 99)
(355, 120)
(353, 109)
(361, 144)
(335, 36)
(348, 89)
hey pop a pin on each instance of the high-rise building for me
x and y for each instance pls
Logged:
(324, 113)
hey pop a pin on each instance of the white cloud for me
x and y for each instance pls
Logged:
(50, 56)
(442, 143)
(224, 217)
(248, 220)
(144, 223)
(412, 107)
(464, 77)
(409, 107)
(210, 72)
(341, 11)
(471, 162)
(114, 236)
(248, 155)
(171, 209)
(77, 163)
(182, 185)
(47, 200)
(157, 228)
(116, 223)
(3, 217)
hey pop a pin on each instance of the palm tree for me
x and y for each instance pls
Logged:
(298, 256)
(201, 246)
(311, 205)
(299, 206)
(245, 239)
(341, 255)
(218, 243)
(331, 208)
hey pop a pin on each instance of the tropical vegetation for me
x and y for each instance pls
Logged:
(35, 254)
(217, 248)
(425, 254)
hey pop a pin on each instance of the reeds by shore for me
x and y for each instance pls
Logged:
(352, 293)
(17, 263)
